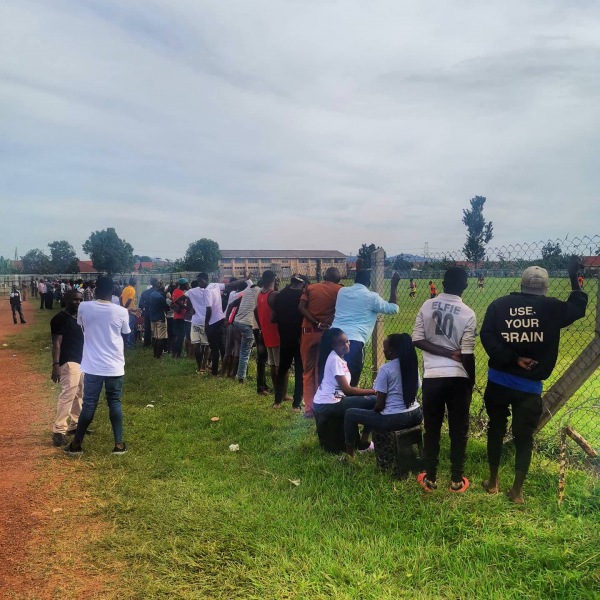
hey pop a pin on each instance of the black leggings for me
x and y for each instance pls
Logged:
(214, 333)
(526, 413)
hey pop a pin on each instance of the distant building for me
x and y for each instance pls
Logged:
(234, 263)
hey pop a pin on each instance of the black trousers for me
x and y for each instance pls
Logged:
(290, 351)
(355, 359)
(48, 299)
(455, 394)
(214, 333)
(261, 362)
(179, 333)
(147, 328)
(526, 413)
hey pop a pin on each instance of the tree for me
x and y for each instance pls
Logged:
(401, 264)
(479, 231)
(202, 255)
(6, 266)
(109, 252)
(553, 257)
(36, 262)
(63, 258)
(364, 254)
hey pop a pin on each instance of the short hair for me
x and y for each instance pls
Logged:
(203, 276)
(268, 277)
(70, 293)
(104, 285)
(194, 284)
(332, 274)
(132, 281)
(363, 277)
(154, 281)
(455, 280)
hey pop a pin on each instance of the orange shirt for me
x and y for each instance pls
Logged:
(320, 301)
(432, 289)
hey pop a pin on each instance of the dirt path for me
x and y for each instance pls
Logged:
(41, 504)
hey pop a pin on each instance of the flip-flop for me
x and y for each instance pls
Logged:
(424, 483)
(461, 489)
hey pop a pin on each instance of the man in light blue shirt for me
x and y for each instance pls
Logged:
(356, 311)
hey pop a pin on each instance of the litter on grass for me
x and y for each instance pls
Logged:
(234, 447)
(295, 482)
(149, 405)
(214, 419)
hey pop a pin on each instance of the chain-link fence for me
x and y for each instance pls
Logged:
(575, 381)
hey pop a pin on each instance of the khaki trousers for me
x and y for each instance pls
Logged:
(70, 399)
(309, 350)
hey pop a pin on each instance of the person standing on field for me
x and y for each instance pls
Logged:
(67, 350)
(128, 302)
(445, 330)
(317, 306)
(265, 302)
(41, 287)
(356, 310)
(521, 335)
(105, 326)
(15, 305)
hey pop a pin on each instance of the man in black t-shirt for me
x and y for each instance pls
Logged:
(15, 305)
(289, 324)
(67, 350)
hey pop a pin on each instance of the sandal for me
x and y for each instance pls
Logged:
(427, 485)
(463, 485)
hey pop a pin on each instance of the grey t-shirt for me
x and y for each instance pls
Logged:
(245, 311)
(389, 381)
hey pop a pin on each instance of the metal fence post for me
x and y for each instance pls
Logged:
(378, 285)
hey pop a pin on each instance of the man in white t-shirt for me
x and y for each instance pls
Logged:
(445, 330)
(103, 363)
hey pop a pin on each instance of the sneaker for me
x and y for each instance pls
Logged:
(71, 451)
(59, 440)
(118, 451)
(22, 323)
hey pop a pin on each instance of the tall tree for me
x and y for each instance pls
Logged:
(553, 257)
(202, 255)
(109, 252)
(36, 262)
(364, 254)
(479, 231)
(63, 258)
(7, 266)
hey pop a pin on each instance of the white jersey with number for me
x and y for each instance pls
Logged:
(448, 322)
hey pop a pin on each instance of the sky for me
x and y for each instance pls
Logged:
(304, 124)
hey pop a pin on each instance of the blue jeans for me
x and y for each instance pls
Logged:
(92, 386)
(376, 421)
(247, 340)
(131, 336)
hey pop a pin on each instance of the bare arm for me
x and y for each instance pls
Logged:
(208, 316)
(352, 391)
(394, 287)
(303, 309)
(234, 304)
(468, 362)
(437, 350)
(380, 403)
(56, 344)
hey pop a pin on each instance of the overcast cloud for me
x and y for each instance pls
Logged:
(297, 124)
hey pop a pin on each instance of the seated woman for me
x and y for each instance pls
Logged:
(334, 395)
(396, 384)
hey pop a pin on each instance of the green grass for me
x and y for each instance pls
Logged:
(190, 519)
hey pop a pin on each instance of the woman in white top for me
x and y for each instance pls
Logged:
(335, 395)
(396, 385)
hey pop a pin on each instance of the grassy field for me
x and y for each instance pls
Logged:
(281, 519)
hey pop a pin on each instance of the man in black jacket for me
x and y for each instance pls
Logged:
(521, 334)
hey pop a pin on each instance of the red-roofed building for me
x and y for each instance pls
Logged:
(591, 263)
(86, 267)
